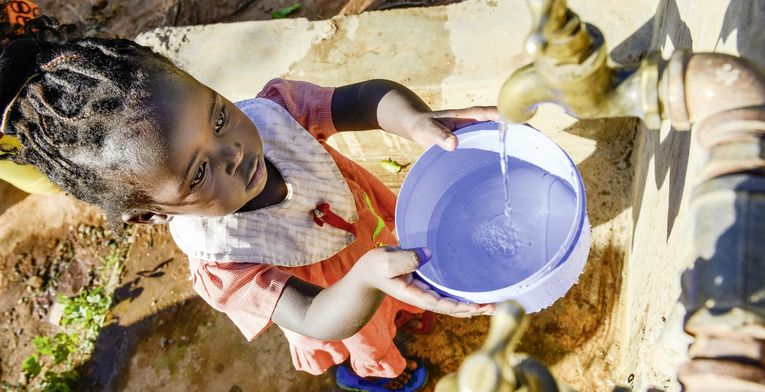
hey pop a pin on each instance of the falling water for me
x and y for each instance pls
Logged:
(503, 166)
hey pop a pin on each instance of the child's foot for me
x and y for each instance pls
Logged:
(412, 379)
(418, 324)
(397, 383)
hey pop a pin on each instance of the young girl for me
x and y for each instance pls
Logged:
(278, 226)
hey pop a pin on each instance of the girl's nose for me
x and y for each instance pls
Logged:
(234, 156)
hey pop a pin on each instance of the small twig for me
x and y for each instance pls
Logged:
(401, 4)
(175, 10)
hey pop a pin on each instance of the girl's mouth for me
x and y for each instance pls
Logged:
(257, 176)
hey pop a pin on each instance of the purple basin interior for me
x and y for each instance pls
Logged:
(453, 203)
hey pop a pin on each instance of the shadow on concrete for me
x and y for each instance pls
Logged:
(678, 32)
(746, 19)
(670, 161)
(671, 154)
(631, 50)
(607, 172)
(9, 196)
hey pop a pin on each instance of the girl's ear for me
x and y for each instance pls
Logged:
(146, 218)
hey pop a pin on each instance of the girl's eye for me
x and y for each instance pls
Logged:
(220, 122)
(199, 176)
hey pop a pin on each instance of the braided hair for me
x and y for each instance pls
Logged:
(80, 110)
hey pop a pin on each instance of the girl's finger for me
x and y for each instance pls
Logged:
(402, 262)
(475, 113)
(488, 309)
(420, 284)
(444, 136)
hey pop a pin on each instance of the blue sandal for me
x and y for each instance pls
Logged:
(349, 381)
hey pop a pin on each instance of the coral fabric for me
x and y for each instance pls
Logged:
(248, 292)
(21, 11)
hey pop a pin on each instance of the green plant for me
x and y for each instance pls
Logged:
(56, 356)
(52, 364)
(284, 12)
(86, 313)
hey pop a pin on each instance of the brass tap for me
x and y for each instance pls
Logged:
(496, 367)
(571, 69)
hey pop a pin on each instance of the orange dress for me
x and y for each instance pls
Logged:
(248, 291)
(21, 11)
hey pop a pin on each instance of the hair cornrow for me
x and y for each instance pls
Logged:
(86, 98)
(50, 65)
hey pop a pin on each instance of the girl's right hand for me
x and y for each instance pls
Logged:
(389, 269)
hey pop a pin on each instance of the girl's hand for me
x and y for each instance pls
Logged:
(389, 106)
(390, 270)
(428, 128)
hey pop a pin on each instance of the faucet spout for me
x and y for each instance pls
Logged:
(522, 93)
(571, 69)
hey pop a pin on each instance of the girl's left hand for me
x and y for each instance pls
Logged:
(430, 128)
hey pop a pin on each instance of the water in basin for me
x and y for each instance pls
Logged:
(476, 246)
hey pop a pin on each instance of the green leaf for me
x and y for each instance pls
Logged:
(59, 382)
(42, 345)
(284, 12)
(65, 345)
(31, 367)
(392, 166)
(61, 354)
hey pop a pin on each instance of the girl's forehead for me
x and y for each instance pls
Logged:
(137, 151)
(175, 98)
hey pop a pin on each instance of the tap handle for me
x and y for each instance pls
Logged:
(489, 369)
(507, 326)
(548, 16)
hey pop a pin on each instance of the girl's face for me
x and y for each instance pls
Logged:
(214, 162)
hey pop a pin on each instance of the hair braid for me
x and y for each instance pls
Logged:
(87, 98)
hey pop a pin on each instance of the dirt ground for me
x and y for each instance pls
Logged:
(129, 18)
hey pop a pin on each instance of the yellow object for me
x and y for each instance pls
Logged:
(27, 178)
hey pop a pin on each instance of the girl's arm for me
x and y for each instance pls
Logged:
(339, 311)
(387, 105)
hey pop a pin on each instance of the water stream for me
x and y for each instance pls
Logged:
(503, 166)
